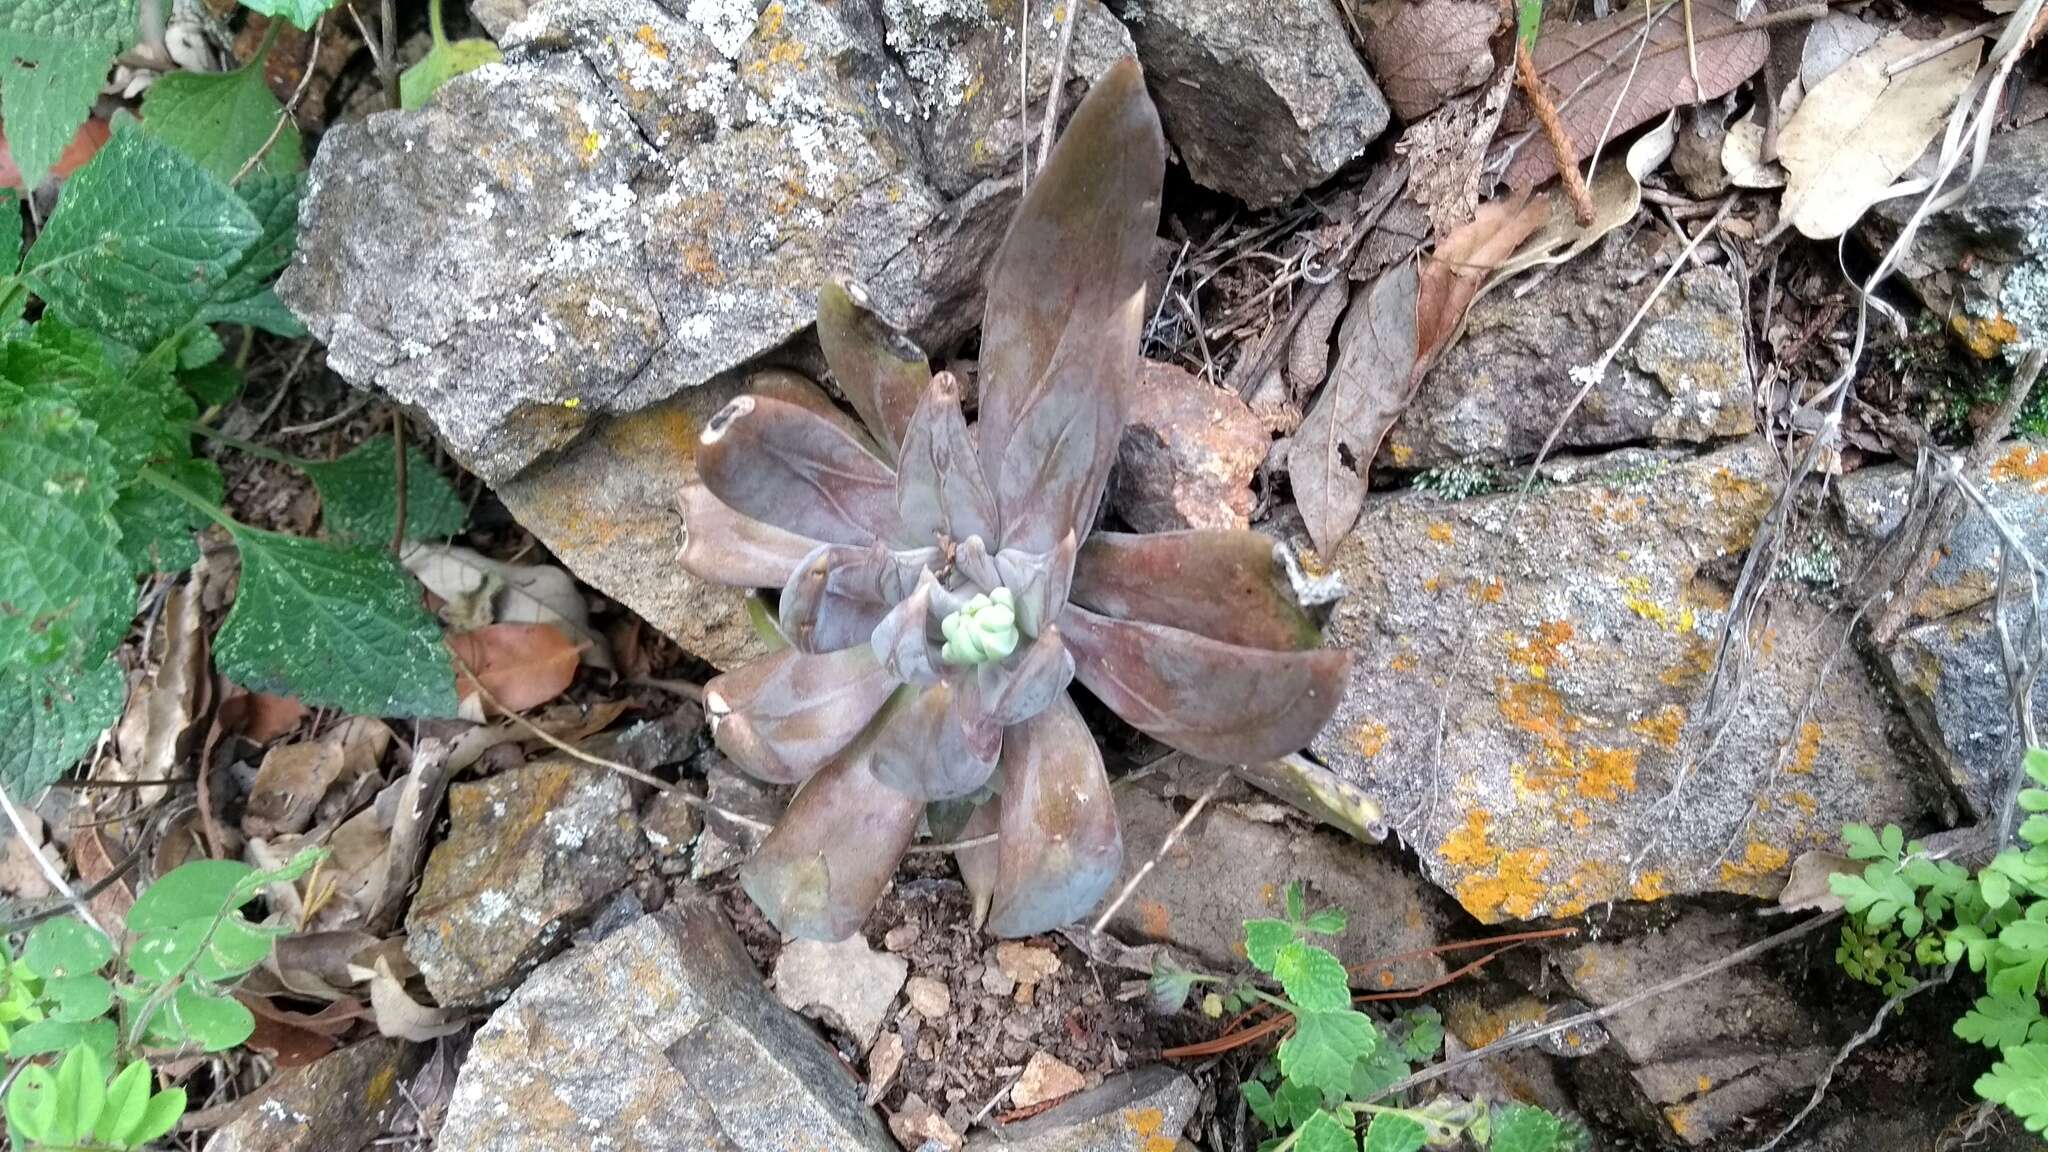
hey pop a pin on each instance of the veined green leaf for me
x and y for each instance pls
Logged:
(64, 585)
(1324, 1046)
(1314, 980)
(246, 296)
(357, 503)
(2020, 1082)
(1263, 940)
(1526, 1128)
(51, 720)
(336, 627)
(446, 60)
(1323, 1132)
(221, 119)
(1392, 1132)
(127, 1102)
(54, 56)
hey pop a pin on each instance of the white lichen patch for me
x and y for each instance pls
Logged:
(728, 24)
(927, 36)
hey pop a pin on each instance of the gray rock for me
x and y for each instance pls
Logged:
(606, 507)
(659, 1039)
(725, 843)
(1264, 99)
(1188, 454)
(1228, 868)
(1497, 394)
(1704, 1059)
(1873, 502)
(529, 853)
(1982, 262)
(961, 58)
(847, 984)
(1569, 660)
(1139, 1111)
(1951, 676)
(498, 15)
(342, 1100)
(636, 200)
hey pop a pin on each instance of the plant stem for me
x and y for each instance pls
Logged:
(248, 446)
(269, 40)
(434, 23)
(212, 510)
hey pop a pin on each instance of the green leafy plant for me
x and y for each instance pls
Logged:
(170, 990)
(940, 588)
(1909, 914)
(443, 62)
(1322, 1091)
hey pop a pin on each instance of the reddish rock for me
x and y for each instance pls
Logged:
(1188, 454)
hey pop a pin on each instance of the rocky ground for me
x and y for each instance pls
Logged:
(566, 263)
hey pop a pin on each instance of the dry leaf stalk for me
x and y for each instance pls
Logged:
(1553, 132)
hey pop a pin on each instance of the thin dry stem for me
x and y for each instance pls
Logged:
(47, 866)
(1553, 131)
(1166, 845)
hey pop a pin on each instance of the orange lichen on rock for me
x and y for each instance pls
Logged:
(1606, 773)
(1650, 886)
(2022, 465)
(1695, 664)
(1664, 726)
(1468, 844)
(1490, 591)
(1440, 532)
(1370, 738)
(1984, 336)
(1759, 862)
(1807, 752)
(648, 40)
(1515, 889)
(1540, 653)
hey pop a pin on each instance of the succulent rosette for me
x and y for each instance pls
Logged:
(941, 586)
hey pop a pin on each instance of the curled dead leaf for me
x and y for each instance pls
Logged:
(1806, 889)
(398, 1014)
(476, 590)
(521, 665)
(293, 778)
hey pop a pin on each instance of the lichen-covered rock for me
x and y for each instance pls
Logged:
(1498, 392)
(658, 1039)
(1982, 262)
(344, 1099)
(1188, 455)
(1139, 1111)
(1263, 99)
(1951, 675)
(1873, 502)
(1228, 868)
(529, 853)
(638, 198)
(1568, 654)
(1704, 1059)
(961, 58)
(606, 507)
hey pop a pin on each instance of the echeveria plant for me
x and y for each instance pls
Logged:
(941, 586)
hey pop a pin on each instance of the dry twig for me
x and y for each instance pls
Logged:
(1553, 131)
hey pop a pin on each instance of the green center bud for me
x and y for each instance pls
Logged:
(982, 631)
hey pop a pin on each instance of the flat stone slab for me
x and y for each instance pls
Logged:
(1951, 675)
(1139, 1111)
(1569, 654)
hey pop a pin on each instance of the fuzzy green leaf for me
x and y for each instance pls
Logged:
(162, 1114)
(334, 627)
(51, 1035)
(157, 525)
(1525, 1128)
(1391, 1132)
(1323, 1132)
(213, 384)
(32, 1105)
(52, 720)
(221, 119)
(443, 62)
(54, 56)
(1328, 922)
(139, 242)
(356, 496)
(1425, 1034)
(2036, 764)
(65, 595)
(1263, 940)
(79, 998)
(66, 946)
(81, 1095)
(2033, 800)
(2020, 1082)
(1261, 1103)
(1297, 903)
(1323, 1048)
(1314, 980)
(245, 296)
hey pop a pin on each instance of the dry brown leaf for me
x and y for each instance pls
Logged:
(159, 725)
(1451, 277)
(1422, 51)
(1366, 392)
(399, 1015)
(1446, 154)
(419, 799)
(1832, 41)
(318, 965)
(1598, 55)
(521, 665)
(260, 717)
(293, 778)
(90, 855)
(1806, 889)
(1617, 192)
(1859, 129)
(21, 878)
(296, 1039)
(1742, 154)
(476, 590)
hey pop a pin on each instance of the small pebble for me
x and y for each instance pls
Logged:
(901, 938)
(1045, 1078)
(885, 1059)
(929, 997)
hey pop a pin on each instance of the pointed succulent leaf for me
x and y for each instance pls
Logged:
(923, 746)
(1223, 585)
(975, 562)
(1042, 582)
(821, 870)
(978, 861)
(940, 490)
(785, 715)
(835, 599)
(1218, 701)
(724, 547)
(1016, 690)
(1065, 305)
(798, 389)
(789, 467)
(902, 642)
(882, 372)
(1058, 847)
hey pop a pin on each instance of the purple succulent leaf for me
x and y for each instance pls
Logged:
(906, 570)
(1218, 701)
(939, 487)
(835, 599)
(790, 467)
(1040, 581)
(1223, 585)
(973, 560)
(800, 390)
(782, 717)
(1058, 846)
(902, 642)
(1065, 306)
(819, 873)
(724, 547)
(1025, 685)
(923, 746)
(882, 372)
(978, 863)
